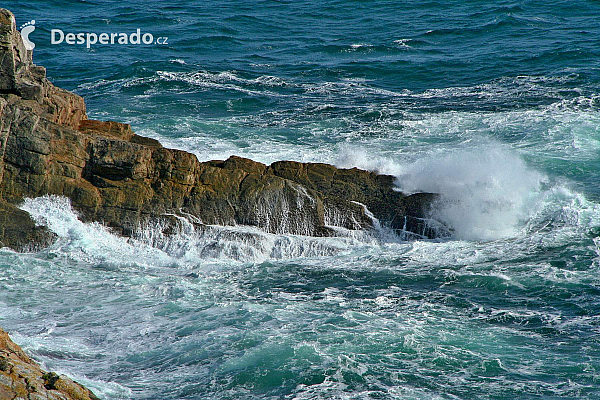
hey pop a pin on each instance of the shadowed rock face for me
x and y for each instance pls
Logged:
(111, 175)
(22, 378)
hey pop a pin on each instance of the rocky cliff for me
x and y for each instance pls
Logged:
(49, 146)
(22, 378)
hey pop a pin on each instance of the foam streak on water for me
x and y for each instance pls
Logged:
(494, 105)
(449, 306)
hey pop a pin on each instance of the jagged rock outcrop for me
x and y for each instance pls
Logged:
(22, 378)
(49, 146)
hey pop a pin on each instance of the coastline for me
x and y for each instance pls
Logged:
(149, 273)
(125, 181)
(22, 378)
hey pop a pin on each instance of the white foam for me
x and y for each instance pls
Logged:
(356, 46)
(70, 348)
(92, 242)
(403, 43)
(487, 191)
(102, 389)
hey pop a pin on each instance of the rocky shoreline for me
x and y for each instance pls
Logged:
(22, 378)
(48, 146)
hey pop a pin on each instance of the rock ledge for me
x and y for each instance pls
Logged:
(48, 146)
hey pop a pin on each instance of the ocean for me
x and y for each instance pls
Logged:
(493, 104)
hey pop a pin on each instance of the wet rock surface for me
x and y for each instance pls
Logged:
(48, 146)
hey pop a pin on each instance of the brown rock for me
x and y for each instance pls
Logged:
(111, 175)
(19, 232)
(22, 378)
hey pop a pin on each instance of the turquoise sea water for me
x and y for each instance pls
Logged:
(495, 105)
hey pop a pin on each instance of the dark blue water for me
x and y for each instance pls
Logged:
(495, 105)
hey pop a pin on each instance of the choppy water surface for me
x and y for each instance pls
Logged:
(492, 104)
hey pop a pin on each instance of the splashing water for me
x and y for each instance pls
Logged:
(495, 106)
(487, 191)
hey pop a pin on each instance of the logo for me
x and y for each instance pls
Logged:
(26, 29)
(91, 38)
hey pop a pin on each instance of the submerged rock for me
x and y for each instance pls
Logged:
(22, 378)
(49, 146)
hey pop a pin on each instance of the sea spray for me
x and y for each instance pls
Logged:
(487, 190)
(92, 242)
(188, 243)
